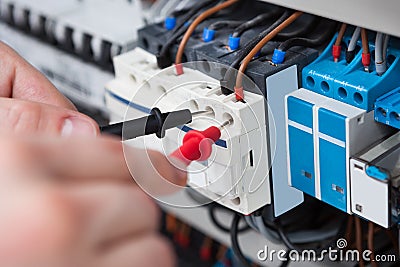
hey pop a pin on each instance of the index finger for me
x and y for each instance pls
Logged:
(104, 159)
(19, 79)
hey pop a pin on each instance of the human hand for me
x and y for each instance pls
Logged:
(72, 202)
(30, 104)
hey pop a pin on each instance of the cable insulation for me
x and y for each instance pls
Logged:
(235, 243)
(250, 24)
(310, 42)
(209, 12)
(341, 33)
(239, 79)
(354, 39)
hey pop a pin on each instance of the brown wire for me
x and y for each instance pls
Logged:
(260, 45)
(341, 34)
(393, 239)
(349, 229)
(359, 240)
(209, 12)
(364, 40)
(371, 243)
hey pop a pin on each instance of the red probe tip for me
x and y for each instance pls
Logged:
(197, 145)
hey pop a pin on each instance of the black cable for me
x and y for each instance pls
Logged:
(282, 234)
(320, 38)
(235, 243)
(211, 211)
(258, 20)
(190, 13)
(286, 240)
(301, 31)
(227, 83)
(163, 58)
(224, 24)
(253, 42)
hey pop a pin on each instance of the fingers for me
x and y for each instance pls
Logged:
(148, 251)
(80, 160)
(104, 159)
(80, 226)
(18, 79)
(159, 177)
(22, 117)
(111, 214)
(88, 160)
(37, 223)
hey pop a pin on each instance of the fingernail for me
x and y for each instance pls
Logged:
(75, 126)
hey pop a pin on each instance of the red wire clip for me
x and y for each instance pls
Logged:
(197, 145)
(366, 59)
(239, 93)
(336, 51)
(179, 69)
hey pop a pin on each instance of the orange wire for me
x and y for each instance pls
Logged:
(259, 46)
(195, 23)
(364, 40)
(341, 34)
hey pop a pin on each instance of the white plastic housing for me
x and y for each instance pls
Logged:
(236, 176)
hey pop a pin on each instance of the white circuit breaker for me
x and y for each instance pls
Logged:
(237, 174)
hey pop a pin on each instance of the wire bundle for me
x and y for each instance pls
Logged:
(239, 92)
(320, 37)
(234, 39)
(275, 231)
(191, 29)
(163, 59)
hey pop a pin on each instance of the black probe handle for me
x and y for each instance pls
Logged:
(155, 123)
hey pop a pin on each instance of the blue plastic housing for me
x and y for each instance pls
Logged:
(360, 88)
(319, 76)
(350, 83)
(387, 109)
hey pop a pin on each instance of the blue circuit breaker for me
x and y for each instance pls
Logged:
(323, 135)
(300, 140)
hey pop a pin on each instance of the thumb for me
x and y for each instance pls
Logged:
(22, 117)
